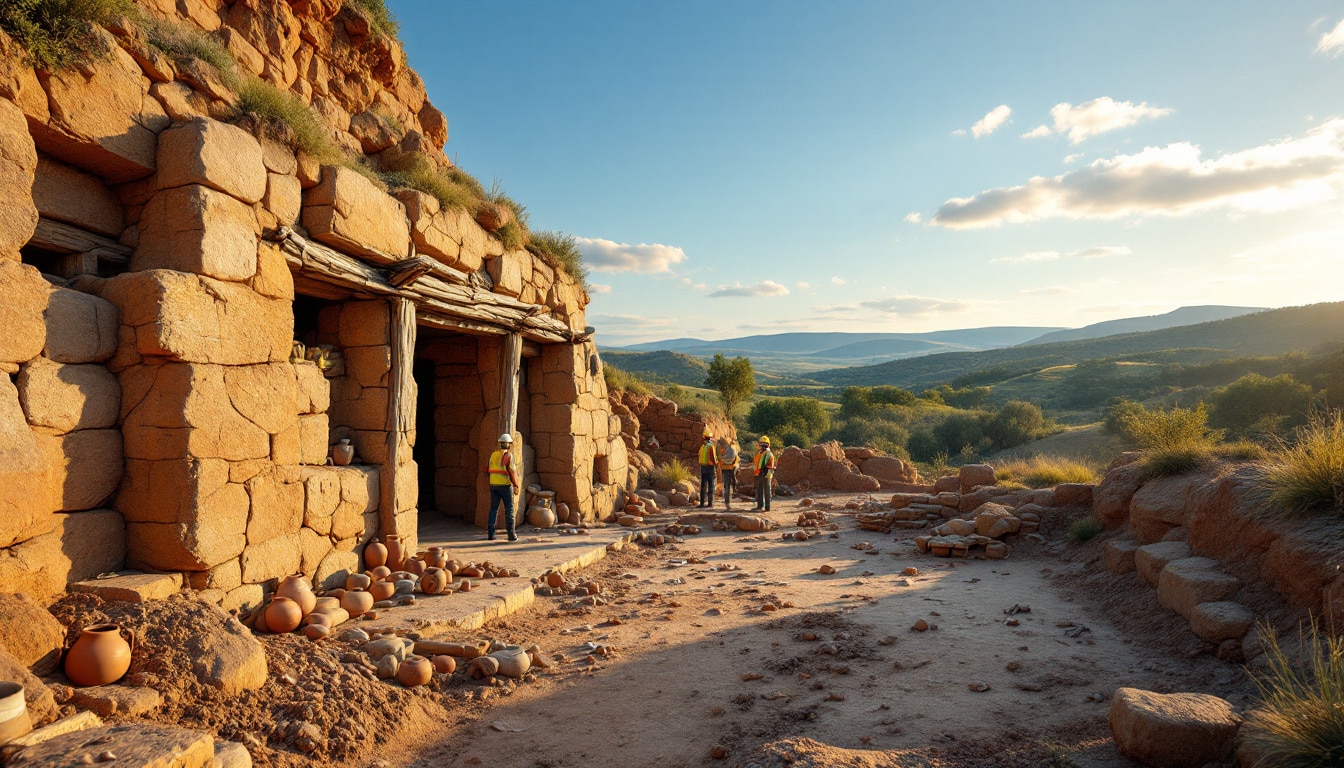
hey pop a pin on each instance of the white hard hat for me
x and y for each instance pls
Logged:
(506, 438)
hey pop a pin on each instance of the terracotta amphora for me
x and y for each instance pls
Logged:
(100, 656)
(383, 590)
(342, 453)
(434, 581)
(298, 589)
(357, 602)
(395, 553)
(415, 670)
(375, 554)
(14, 720)
(283, 615)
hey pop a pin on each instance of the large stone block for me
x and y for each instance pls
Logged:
(1186, 583)
(333, 569)
(132, 587)
(313, 548)
(135, 744)
(66, 194)
(273, 279)
(284, 198)
(102, 117)
(1179, 730)
(314, 430)
(26, 502)
(202, 320)
(1222, 620)
(1120, 556)
(18, 161)
(506, 271)
(1111, 499)
(79, 546)
(181, 410)
(349, 213)
(64, 398)
(83, 468)
(26, 296)
(214, 533)
(364, 323)
(322, 495)
(277, 507)
(369, 365)
(1150, 559)
(199, 230)
(218, 155)
(30, 632)
(1160, 505)
(170, 490)
(265, 395)
(272, 559)
(81, 328)
(314, 394)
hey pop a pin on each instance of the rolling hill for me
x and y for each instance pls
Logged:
(660, 367)
(1172, 319)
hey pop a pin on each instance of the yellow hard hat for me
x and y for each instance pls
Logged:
(707, 433)
(765, 440)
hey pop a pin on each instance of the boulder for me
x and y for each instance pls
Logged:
(947, 484)
(83, 468)
(995, 521)
(347, 212)
(1160, 505)
(18, 161)
(215, 154)
(888, 470)
(830, 450)
(26, 504)
(272, 559)
(21, 313)
(198, 229)
(41, 703)
(1186, 583)
(333, 569)
(81, 328)
(1179, 730)
(1120, 556)
(973, 475)
(64, 398)
(66, 194)
(1150, 559)
(1110, 499)
(1073, 495)
(79, 546)
(1219, 621)
(792, 465)
(135, 744)
(30, 633)
(227, 656)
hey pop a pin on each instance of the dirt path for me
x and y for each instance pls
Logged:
(696, 663)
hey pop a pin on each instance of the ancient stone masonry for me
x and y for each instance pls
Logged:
(194, 315)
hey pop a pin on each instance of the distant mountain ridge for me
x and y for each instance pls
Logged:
(819, 343)
(1177, 317)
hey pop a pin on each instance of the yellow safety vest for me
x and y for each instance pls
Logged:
(499, 463)
(708, 455)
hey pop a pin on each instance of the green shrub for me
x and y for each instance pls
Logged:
(1300, 720)
(1241, 450)
(968, 398)
(181, 42)
(514, 235)
(1307, 474)
(1172, 441)
(1045, 471)
(286, 119)
(1254, 404)
(564, 250)
(60, 33)
(801, 418)
(1016, 422)
(669, 473)
(380, 18)
(1085, 529)
(454, 188)
(873, 433)
(624, 381)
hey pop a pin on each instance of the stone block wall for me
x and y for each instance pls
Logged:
(654, 427)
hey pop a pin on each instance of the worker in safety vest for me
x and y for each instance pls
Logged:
(728, 461)
(503, 482)
(709, 467)
(763, 469)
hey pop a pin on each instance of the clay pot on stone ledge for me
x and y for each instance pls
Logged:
(100, 656)
(342, 453)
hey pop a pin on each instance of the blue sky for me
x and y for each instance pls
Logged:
(738, 167)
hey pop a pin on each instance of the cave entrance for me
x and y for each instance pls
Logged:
(450, 422)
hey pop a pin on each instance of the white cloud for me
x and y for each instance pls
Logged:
(1030, 257)
(1071, 159)
(959, 132)
(1171, 181)
(608, 256)
(764, 288)
(633, 322)
(1103, 252)
(837, 281)
(1332, 42)
(802, 285)
(992, 121)
(914, 218)
(1094, 117)
(1049, 290)
(915, 306)
(598, 288)
(1036, 257)
(835, 310)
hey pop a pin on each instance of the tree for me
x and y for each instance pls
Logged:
(1016, 422)
(734, 379)
(1256, 404)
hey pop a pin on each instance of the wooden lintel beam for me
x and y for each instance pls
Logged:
(52, 235)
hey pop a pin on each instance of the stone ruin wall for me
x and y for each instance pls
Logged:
(153, 417)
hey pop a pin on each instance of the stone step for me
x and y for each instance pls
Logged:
(130, 745)
(1222, 620)
(1184, 584)
(1150, 559)
(1121, 556)
(132, 587)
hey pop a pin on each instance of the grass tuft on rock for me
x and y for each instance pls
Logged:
(379, 15)
(1306, 475)
(669, 473)
(1045, 472)
(1300, 720)
(286, 119)
(623, 381)
(1085, 529)
(180, 42)
(564, 250)
(58, 34)
(1173, 441)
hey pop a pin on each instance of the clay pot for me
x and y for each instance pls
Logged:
(316, 632)
(482, 667)
(395, 553)
(472, 572)
(383, 590)
(357, 602)
(342, 453)
(298, 589)
(541, 516)
(444, 665)
(283, 615)
(415, 670)
(434, 581)
(100, 656)
(259, 620)
(436, 557)
(326, 605)
(634, 509)
(381, 573)
(14, 720)
(336, 593)
(562, 512)
(454, 566)
(375, 554)
(416, 567)
(358, 581)
(513, 661)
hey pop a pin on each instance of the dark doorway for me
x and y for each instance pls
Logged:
(426, 438)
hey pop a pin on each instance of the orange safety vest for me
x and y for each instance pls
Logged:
(499, 468)
(764, 462)
(709, 456)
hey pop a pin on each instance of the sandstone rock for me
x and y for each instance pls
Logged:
(829, 450)
(74, 197)
(231, 754)
(347, 212)
(79, 546)
(180, 101)
(30, 633)
(123, 700)
(18, 161)
(314, 430)
(26, 504)
(1120, 556)
(888, 470)
(81, 328)
(1073, 495)
(364, 323)
(102, 117)
(972, 475)
(1186, 583)
(506, 272)
(314, 390)
(276, 510)
(1179, 730)
(995, 521)
(948, 484)
(272, 559)
(41, 703)
(83, 468)
(1219, 621)
(199, 319)
(132, 587)
(64, 398)
(333, 569)
(136, 744)
(1149, 560)
(197, 229)
(284, 198)
(265, 395)
(1160, 505)
(1110, 499)
(26, 297)
(273, 278)
(218, 155)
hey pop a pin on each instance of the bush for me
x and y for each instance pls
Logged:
(1172, 441)
(802, 418)
(60, 33)
(624, 381)
(380, 18)
(1016, 423)
(564, 250)
(454, 188)
(1045, 471)
(960, 431)
(669, 473)
(1116, 414)
(1255, 404)
(1300, 720)
(284, 118)
(873, 433)
(181, 42)
(968, 398)
(1241, 450)
(1085, 529)
(1307, 474)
